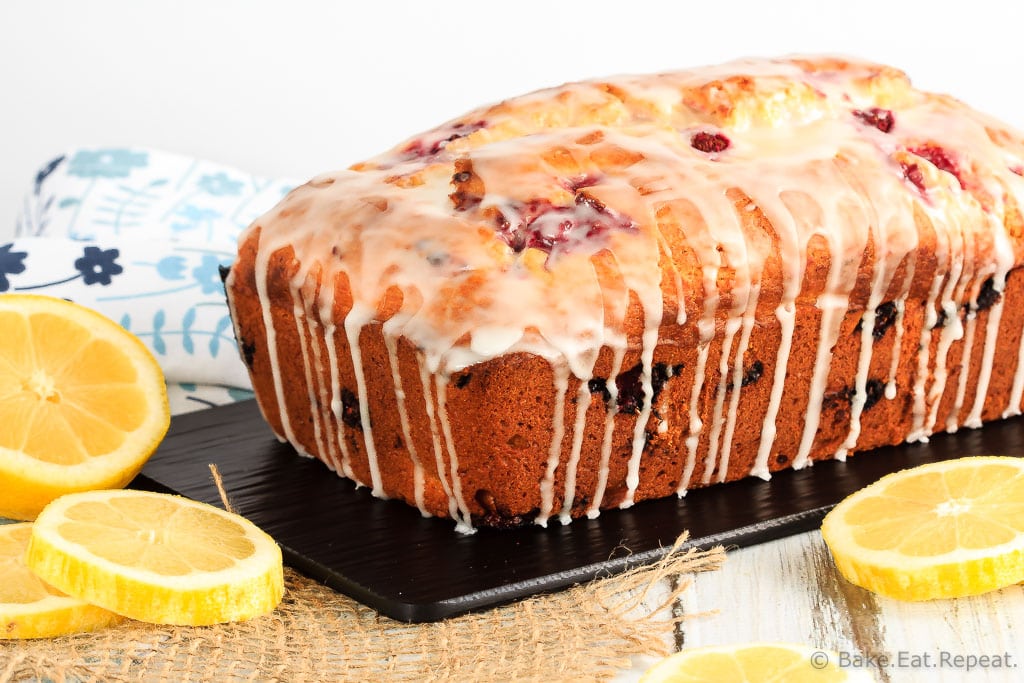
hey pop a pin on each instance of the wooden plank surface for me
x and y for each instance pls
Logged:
(789, 590)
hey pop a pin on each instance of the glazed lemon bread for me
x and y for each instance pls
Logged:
(622, 289)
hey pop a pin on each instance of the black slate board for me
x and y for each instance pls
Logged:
(384, 554)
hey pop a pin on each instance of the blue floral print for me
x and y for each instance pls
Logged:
(46, 171)
(94, 266)
(93, 194)
(207, 274)
(140, 235)
(240, 394)
(171, 267)
(158, 333)
(194, 218)
(106, 163)
(11, 263)
(219, 184)
(98, 265)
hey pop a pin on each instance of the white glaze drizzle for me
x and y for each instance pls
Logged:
(953, 329)
(749, 319)
(261, 402)
(435, 437)
(650, 340)
(391, 342)
(355, 321)
(953, 418)
(859, 398)
(1017, 388)
(695, 423)
(894, 246)
(973, 420)
(736, 253)
(305, 332)
(970, 328)
(463, 522)
(833, 305)
(330, 332)
(325, 416)
(547, 484)
(611, 410)
(732, 326)
(578, 427)
(1004, 262)
(677, 277)
(793, 257)
(967, 277)
(261, 266)
(897, 344)
(918, 432)
(480, 300)
(720, 244)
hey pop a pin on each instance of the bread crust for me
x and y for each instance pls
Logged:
(758, 359)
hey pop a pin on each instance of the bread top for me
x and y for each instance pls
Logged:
(605, 212)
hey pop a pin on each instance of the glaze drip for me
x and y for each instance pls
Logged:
(607, 222)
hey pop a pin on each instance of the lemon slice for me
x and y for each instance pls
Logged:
(82, 403)
(943, 530)
(31, 609)
(752, 663)
(157, 558)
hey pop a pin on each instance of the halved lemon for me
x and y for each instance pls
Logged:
(30, 608)
(157, 558)
(943, 530)
(752, 663)
(83, 402)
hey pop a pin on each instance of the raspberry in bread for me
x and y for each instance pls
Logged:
(622, 289)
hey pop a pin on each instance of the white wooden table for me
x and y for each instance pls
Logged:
(789, 590)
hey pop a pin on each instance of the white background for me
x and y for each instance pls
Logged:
(295, 88)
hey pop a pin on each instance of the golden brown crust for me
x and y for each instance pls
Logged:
(512, 396)
(915, 245)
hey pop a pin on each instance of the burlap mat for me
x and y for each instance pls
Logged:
(588, 632)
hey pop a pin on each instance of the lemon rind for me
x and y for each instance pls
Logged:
(28, 482)
(959, 573)
(666, 670)
(52, 615)
(251, 587)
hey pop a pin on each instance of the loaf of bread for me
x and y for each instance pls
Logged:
(622, 289)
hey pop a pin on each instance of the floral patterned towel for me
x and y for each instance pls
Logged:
(141, 235)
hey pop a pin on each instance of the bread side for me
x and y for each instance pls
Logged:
(618, 291)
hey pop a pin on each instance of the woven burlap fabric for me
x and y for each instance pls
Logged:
(588, 632)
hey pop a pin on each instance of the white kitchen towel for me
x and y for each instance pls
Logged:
(141, 235)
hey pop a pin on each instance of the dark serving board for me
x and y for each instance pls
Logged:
(384, 554)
